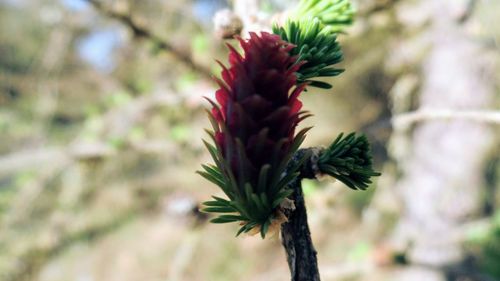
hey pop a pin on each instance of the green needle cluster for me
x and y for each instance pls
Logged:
(349, 160)
(313, 27)
(336, 14)
(316, 45)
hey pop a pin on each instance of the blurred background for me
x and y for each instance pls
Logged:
(102, 116)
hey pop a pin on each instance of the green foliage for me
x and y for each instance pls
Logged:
(186, 81)
(490, 254)
(180, 133)
(349, 160)
(200, 43)
(335, 14)
(361, 251)
(316, 47)
(313, 27)
(119, 98)
(251, 206)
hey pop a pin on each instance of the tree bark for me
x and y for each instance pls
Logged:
(442, 179)
(295, 234)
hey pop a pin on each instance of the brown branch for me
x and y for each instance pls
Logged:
(161, 44)
(405, 120)
(295, 234)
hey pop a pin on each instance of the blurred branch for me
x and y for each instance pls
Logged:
(405, 120)
(117, 121)
(160, 43)
(184, 255)
(61, 156)
(468, 12)
(32, 158)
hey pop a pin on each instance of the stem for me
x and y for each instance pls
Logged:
(295, 234)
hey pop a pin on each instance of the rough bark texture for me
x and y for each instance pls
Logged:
(295, 234)
(442, 173)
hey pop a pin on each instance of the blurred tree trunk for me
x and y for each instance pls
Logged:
(442, 179)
